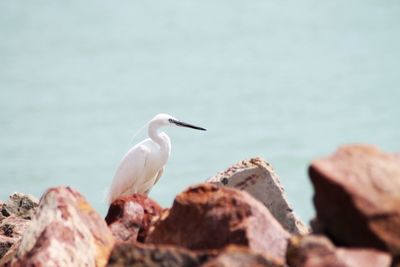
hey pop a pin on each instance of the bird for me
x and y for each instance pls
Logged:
(143, 164)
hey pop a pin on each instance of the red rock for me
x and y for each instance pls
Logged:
(65, 231)
(257, 177)
(129, 217)
(129, 254)
(357, 197)
(210, 217)
(235, 256)
(318, 251)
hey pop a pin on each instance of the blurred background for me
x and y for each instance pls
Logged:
(285, 80)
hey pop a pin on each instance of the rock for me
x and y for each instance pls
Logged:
(1, 208)
(129, 217)
(210, 217)
(318, 251)
(5, 244)
(354, 257)
(13, 226)
(22, 205)
(65, 231)
(257, 177)
(129, 254)
(15, 217)
(11, 230)
(10, 253)
(235, 256)
(357, 197)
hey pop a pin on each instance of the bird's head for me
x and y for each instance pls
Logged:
(167, 120)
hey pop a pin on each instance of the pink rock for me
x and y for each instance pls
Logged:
(15, 216)
(10, 253)
(11, 230)
(65, 231)
(5, 244)
(354, 257)
(1, 208)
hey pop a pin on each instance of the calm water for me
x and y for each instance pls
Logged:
(286, 80)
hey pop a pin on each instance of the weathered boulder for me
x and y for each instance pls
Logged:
(318, 251)
(21, 205)
(15, 216)
(357, 197)
(129, 254)
(11, 230)
(13, 226)
(5, 244)
(258, 178)
(1, 208)
(129, 217)
(235, 256)
(65, 231)
(208, 216)
(10, 253)
(136, 254)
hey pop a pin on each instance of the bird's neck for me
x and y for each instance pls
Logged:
(160, 138)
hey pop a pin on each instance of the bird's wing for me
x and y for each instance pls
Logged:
(130, 172)
(158, 175)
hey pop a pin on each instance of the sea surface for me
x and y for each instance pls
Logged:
(285, 80)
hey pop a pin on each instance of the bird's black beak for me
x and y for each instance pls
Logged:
(184, 124)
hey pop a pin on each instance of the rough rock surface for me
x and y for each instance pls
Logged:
(357, 197)
(65, 231)
(9, 255)
(208, 216)
(21, 205)
(129, 217)
(318, 251)
(235, 256)
(257, 177)
(5, 244)
(129, 254)
(1, 208)
(15, 216)
(11, 230)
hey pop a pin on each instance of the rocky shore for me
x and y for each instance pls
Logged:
(240, 217)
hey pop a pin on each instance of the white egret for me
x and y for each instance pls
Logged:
(144, 163)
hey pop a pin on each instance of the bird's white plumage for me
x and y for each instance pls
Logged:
(143, 164)
(138, 170)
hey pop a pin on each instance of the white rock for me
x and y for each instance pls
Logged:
(257, 177)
